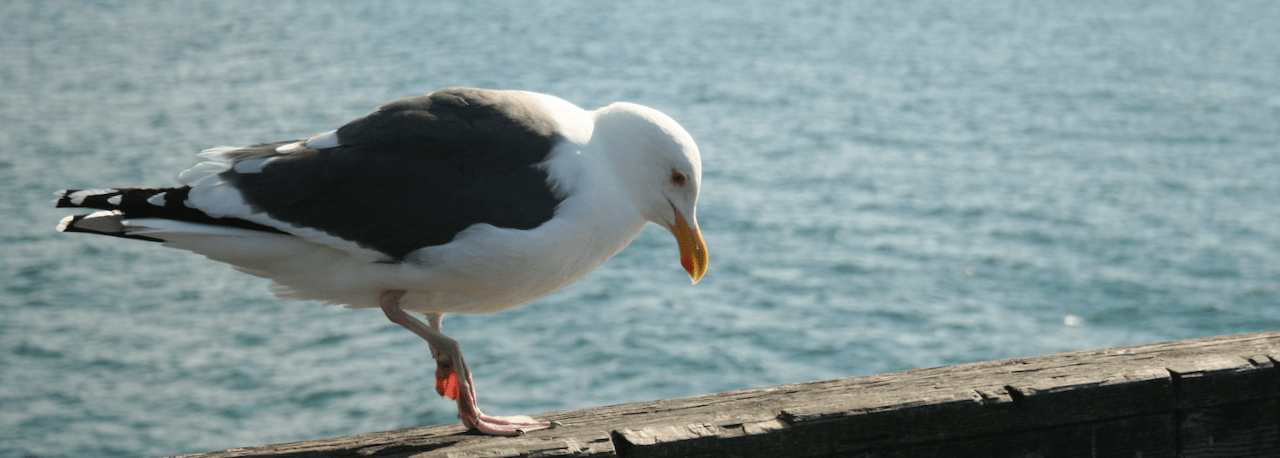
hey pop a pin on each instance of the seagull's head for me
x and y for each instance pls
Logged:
(659, 165)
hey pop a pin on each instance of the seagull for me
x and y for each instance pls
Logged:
(459, 201)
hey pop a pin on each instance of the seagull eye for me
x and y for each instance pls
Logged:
(677, 178)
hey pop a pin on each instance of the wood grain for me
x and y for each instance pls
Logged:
(1217, 396)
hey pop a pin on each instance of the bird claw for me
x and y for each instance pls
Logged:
(516, 425)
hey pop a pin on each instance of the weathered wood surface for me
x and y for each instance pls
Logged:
(1218, 396)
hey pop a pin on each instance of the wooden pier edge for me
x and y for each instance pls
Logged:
(1217, 396)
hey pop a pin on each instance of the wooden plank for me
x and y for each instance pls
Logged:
(1149, 437)
(1243, 429)
(1204, 397)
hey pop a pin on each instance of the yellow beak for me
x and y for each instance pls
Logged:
(693, 251)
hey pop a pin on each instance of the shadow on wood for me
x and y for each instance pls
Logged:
(1217, 396)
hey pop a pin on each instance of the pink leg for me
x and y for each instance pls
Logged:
(450, 366)
(446, 379)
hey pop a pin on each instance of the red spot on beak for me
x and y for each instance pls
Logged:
(693, 251)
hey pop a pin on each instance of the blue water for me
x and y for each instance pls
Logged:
(888, 185)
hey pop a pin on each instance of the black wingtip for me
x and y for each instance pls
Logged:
(63, 200)
(133, 203)
(103, 199)
(101, 223)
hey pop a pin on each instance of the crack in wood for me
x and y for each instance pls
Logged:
(1015, 395)
(1176, 379)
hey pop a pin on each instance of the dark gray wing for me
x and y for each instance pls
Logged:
(414, 173)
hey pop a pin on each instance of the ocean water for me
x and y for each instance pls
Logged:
(888, 185)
